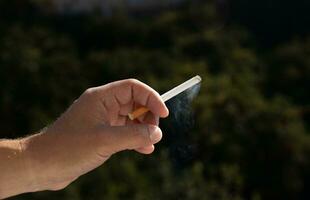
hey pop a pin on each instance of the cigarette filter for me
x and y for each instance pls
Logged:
(168, 95)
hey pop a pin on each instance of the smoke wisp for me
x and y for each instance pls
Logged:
(178, 127)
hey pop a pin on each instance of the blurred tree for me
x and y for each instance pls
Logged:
(250, 139)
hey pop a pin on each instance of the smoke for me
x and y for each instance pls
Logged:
(178, 127)
(181, 107)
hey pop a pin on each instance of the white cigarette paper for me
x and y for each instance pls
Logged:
(181, 88)
(168, 95)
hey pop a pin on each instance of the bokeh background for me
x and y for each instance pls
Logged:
(247, 135)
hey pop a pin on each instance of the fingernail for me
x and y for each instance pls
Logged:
(155, 133)
(166, 113)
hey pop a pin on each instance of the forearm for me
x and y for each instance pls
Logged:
(14, 175)
(34, 163)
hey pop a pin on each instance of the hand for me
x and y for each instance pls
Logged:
(93, 128)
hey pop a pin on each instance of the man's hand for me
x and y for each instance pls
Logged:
(93, 128)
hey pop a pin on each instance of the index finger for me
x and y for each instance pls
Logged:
(143, 95)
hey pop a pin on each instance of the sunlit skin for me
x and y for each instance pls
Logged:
(93, 128)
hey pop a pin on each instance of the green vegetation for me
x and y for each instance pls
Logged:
(251, 136)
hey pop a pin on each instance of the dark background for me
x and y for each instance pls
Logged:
(247, 134)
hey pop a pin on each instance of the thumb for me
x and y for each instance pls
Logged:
(117, 138)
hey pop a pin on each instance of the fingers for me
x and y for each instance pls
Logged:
(119, 98)
(113, 139)
(125, 91)
(148, 97)
(146, 150)
(149, 118)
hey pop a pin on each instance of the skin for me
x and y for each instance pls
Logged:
(93, 128)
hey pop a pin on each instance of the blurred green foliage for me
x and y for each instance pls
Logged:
(251, 135)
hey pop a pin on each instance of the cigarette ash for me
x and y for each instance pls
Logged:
(178, 127)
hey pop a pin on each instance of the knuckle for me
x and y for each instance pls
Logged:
(90, 92)
(133, 81)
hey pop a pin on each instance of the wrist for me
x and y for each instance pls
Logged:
(41, 157)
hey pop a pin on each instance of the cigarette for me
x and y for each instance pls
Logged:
(168, 95)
